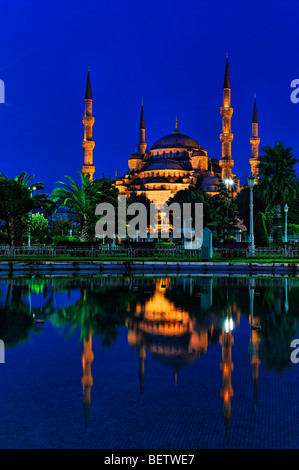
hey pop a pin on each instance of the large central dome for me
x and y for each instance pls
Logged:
(175, 140)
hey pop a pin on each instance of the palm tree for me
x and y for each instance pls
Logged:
(278, 180)
(83, 199)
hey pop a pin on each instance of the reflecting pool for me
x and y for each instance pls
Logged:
(149, 362)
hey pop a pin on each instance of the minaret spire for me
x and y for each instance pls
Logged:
(142, 145)
(226, 163)
(226, 74)
(88, 121)
(254, 141)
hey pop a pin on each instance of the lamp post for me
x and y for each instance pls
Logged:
(229, 182)
(286, 303)
(286, 223)
(251, 180)
(251, 300)
(29, 232)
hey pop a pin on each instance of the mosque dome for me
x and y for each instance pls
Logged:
(210, 179)
(210, 182)
(175, 140)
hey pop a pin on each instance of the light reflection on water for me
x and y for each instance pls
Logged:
(175, 362)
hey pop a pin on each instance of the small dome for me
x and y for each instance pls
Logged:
(136, 156)
(210, 180)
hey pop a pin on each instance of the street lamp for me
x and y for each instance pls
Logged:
(29, 232)
(286, 223)
(229, 182)
(251, 180)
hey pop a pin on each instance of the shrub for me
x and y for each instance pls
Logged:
(59, 239)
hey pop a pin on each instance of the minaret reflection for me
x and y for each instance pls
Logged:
(167, 332)
(254, 341)
(87, 379)
(226, 365)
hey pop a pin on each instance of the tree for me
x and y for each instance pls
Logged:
(83, 199)
(260, 232)
(39, 201)
(15, 203)
(219, 214)
(39, 227)
(223, 213)
(62, 227)
(242, 201)
(278, 183)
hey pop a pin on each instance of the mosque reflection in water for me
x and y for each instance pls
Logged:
(174, 320)
(176, 338)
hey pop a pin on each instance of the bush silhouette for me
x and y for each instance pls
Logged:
(260, 232)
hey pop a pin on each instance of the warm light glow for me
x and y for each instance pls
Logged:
(226, 397)
(225, 370)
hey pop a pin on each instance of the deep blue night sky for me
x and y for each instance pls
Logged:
(170, 53)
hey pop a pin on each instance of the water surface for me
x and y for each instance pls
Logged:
(149, 362)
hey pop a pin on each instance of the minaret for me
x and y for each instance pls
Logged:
(142, 145)
(88, 121)
(254, 342)
(254, 141)
(226, 163)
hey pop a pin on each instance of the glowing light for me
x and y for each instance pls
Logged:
(228, 325)
(229, 182)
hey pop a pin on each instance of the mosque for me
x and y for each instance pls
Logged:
(176, 162)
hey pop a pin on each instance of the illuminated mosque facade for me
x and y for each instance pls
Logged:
(175, 162)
